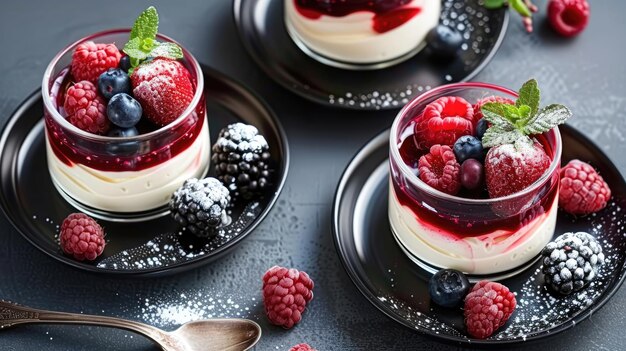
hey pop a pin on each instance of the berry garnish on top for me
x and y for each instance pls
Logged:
(443, 121)
(241, 157)
(478, 114)
(85, 108)
(200, 206)
(583, 190)
(164, 89)
(440, 170)
(81, 237)
(472, 174)
(90, 60)
(568, 17)
(113, 81)
(124, 111)
(286, 293)
(571, 262)
(467, 147)
(487, 307)
(516, 160)
(448, 287)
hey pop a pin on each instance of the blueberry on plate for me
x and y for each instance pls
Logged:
(448, 287)
(467, 147)
(124, 111)
(444, 41)
(112, 82)
(125, 63)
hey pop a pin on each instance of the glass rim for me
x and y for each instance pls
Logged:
(394, 151)
(199, 91)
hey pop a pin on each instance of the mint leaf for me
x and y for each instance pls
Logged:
(529, 95)
(520, 7)
(169, 50)
(495, 113)
(493, 4)
(134, 49)
(495, 136)
(146, 25)
(546, 119)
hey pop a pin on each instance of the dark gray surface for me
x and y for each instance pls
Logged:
(586, 73)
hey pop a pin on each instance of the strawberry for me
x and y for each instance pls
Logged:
(163, 88)
(515, 161)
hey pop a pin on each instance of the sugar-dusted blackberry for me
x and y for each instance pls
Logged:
(241, 157)
(571, 262)
(200, 206)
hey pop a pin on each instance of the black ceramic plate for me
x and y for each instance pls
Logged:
(399, 288)
(152, 247)
(262, 30)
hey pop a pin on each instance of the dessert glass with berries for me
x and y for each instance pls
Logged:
(125, 123)
(361, 34)
(473, 181)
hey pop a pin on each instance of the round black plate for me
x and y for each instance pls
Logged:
(262, 30)
(152, 247)
(399, 288)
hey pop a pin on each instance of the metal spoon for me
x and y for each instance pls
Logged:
(203, 335)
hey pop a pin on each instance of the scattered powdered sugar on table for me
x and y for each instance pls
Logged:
(470, 19)
(171, 248)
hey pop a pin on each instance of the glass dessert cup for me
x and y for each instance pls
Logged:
(123, 178)
(361, 34)
(481, 237)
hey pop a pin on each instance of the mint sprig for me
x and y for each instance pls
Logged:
(513, 124)
(143, 44)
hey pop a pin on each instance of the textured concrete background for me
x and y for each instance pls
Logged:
(586, 73)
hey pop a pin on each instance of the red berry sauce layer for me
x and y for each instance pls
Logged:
(388, 14)
(486, 219)
(73, 149)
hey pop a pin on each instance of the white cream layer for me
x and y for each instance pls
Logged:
(491, 253)
(131, 191)
(352, 39)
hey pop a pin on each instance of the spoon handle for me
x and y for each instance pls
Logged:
(12, 314)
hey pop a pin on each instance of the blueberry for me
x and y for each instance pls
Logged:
(466, 147)
(481, 128)
(124, 111)
(112, 82)
(444, 41)
(123, 148)
(125, 63)
(472, 174)
(448, 287)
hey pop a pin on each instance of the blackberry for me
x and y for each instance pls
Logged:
(571, 262)
(241, 157)
(200, 206)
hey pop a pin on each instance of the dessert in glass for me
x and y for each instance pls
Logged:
(448, 211)
(111, 168)
(361, 34)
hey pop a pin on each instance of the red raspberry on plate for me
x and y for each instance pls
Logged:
(439, 169)
(90, 60)
(510, 168)
(81, 237)
(443, 121)
(286, 293)
(163, 88)
(302, 347)
(487, 307)
(86, 109)
(478, 114)
(568, 17)
(582, 191)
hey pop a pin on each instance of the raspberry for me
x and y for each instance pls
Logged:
(582, 190)
(81, 237)
(302, 347)
(285, 295)
(478, 114)
(440, 170)
(86, 109)
(163, 88)
(568, 17)
(90, 60)
(443, 122)
(487, 307)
